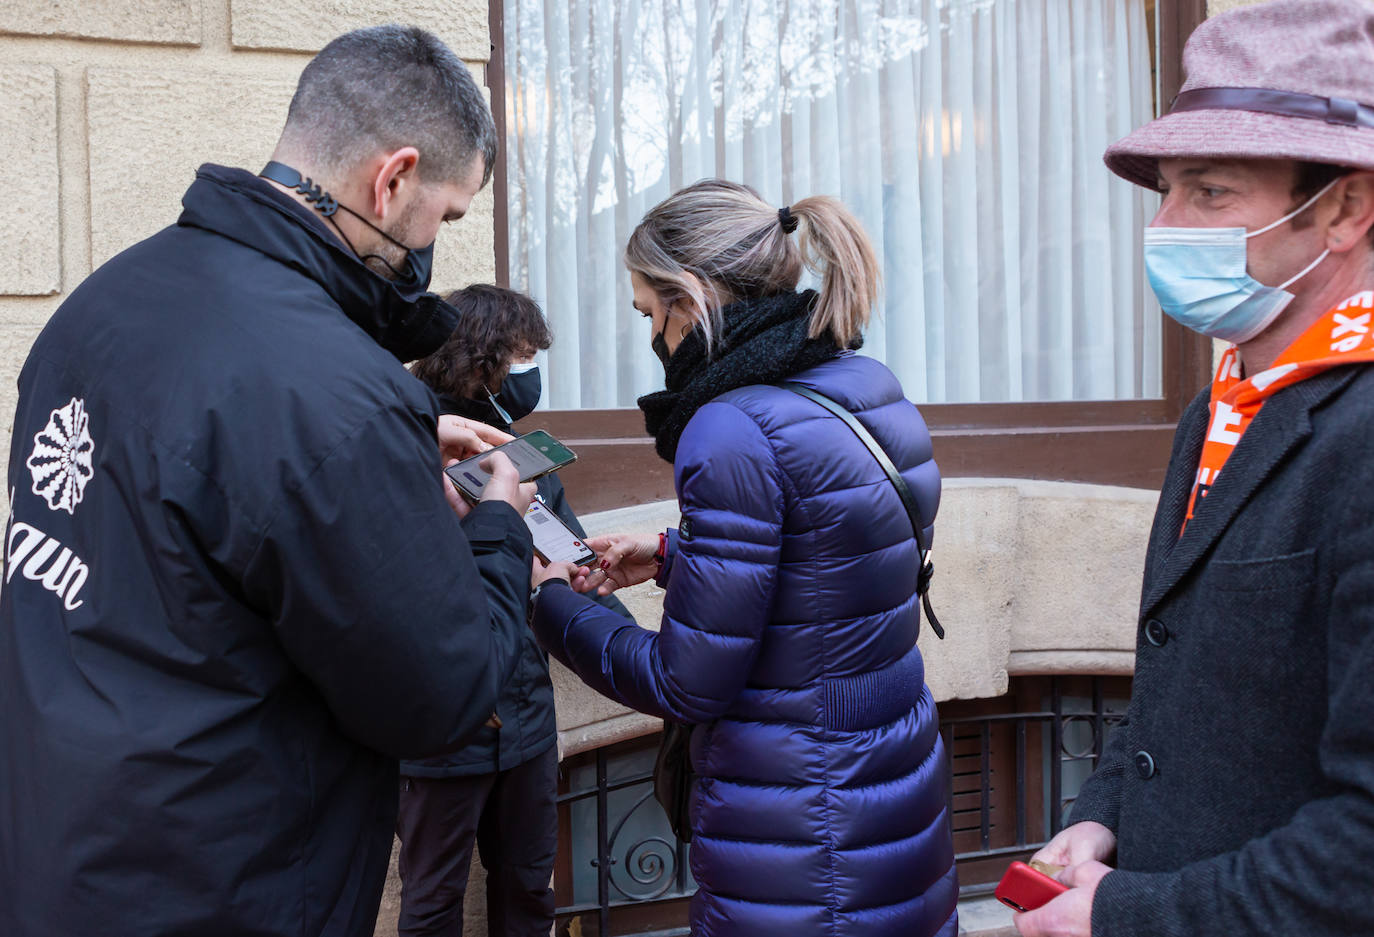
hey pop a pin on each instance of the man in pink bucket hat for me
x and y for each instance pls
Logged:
(1237, 797)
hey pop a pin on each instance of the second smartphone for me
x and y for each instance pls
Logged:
(555, 541)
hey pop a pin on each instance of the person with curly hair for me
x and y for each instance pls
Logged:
(500, 791)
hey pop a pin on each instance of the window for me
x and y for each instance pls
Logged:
(620, 869)
(966, 134)
(1016, 765)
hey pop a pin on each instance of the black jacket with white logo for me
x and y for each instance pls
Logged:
(234, 594)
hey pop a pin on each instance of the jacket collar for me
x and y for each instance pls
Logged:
(240, 206)
(1283, 424)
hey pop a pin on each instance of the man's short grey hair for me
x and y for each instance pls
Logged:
(382, 88)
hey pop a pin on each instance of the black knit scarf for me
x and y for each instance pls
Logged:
(763, 341)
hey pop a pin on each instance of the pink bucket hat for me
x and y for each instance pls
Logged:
(1287, 79)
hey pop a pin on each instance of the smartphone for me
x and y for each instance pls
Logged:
(535, 455)
(555, 541)
(1025, 889)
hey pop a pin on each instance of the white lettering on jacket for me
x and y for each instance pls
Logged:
(61, 573)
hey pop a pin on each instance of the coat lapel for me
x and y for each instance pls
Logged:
(1281, 426)
(1178, 484)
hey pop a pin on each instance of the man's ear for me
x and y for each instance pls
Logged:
(1355, 212)
(394, 174)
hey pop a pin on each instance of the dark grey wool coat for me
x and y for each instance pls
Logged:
(1241, 786)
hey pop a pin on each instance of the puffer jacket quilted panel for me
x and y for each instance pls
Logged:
(788, 636)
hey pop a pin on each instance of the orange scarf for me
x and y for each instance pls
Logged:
(1344, 335)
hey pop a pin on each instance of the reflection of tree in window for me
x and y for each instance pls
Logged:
(966, 134)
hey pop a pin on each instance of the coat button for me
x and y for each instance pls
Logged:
(1144, 765)
(1155, 632)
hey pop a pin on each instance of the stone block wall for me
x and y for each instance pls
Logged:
(108, 106)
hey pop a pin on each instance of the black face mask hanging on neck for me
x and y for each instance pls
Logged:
(419, 264)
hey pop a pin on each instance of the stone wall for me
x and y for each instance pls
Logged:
(108, 106)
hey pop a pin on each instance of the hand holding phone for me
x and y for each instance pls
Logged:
(461, 438)
(503, 482)
(534, 455)
(1024, 889)
(626, 560)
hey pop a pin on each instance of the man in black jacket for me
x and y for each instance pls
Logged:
(1237, 797)
(235, 591)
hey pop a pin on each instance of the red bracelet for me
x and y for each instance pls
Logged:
(662, 553)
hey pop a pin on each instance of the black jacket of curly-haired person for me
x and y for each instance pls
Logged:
(495, 325)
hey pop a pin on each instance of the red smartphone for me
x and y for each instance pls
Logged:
(1025, 889)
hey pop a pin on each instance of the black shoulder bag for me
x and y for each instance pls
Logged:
(903, 491)
(674, 777)
(673, 774)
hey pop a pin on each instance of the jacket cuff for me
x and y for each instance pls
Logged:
(580, 634)
(494, 522)
(669, 552)
(551, 611)
(1139, 904)
(1100, 798)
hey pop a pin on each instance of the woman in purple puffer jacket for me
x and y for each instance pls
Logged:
(790, 620)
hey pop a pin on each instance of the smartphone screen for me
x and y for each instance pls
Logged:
(534, 455)
(553, 539)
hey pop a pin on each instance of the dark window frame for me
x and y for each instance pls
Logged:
(1109, 442)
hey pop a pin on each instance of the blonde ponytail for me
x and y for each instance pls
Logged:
(716, 242)
(835, 247)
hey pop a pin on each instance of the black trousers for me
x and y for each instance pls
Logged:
(512, 816)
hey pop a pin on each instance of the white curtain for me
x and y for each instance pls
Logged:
(967, 135)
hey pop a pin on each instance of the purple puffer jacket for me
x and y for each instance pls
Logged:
(789, 638)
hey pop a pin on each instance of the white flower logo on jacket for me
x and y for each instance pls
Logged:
(63, 457)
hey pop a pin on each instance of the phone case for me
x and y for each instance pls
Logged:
(1024, 889)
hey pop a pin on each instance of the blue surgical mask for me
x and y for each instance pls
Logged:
(1201, 278)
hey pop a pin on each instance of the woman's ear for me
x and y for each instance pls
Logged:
(683, 308)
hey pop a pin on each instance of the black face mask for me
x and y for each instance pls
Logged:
(419, 263)
(660, 346)
(519, 393)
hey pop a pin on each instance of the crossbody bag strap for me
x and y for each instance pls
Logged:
(898, 482)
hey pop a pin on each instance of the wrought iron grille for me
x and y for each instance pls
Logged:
(1013, 776)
